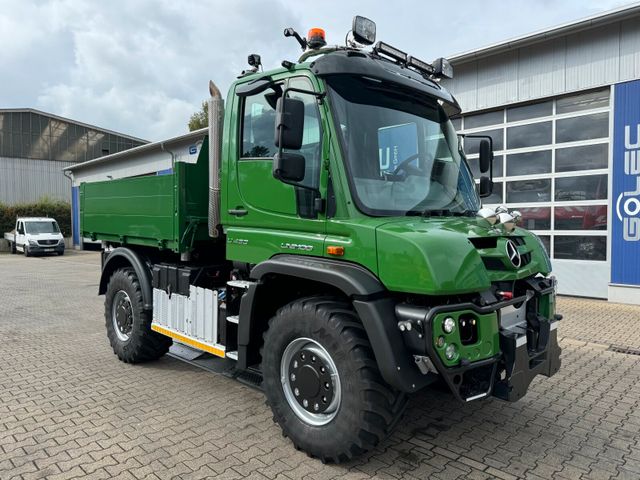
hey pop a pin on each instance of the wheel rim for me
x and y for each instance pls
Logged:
(122, 315)
(310, 381)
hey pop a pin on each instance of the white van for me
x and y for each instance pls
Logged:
(36, 235)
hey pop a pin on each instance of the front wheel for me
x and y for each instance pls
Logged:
(322, 381)
(128, 323)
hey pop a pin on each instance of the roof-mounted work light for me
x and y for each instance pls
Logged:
(363, 30)
(420, 65)
(387, 50)
(443, 68)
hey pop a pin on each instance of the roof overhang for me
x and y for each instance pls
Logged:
(161, 146)
(611, 16)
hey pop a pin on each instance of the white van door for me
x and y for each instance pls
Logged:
(20, 236)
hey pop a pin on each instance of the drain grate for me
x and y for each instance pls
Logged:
(621, 349)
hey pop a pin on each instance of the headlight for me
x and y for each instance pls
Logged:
(450, 351)
(33, 243)
(61, 241)
(449, 325)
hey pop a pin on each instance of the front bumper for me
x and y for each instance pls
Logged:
(43, 249)
(525, 351)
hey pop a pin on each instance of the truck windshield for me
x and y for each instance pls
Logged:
(401, 150)
(41, 227)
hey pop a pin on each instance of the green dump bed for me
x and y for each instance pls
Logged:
(167, 210)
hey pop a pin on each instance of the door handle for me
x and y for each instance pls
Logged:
(238, 211)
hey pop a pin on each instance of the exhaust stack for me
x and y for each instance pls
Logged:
(216, 113)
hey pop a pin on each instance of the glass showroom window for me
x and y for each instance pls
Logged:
(551, 163)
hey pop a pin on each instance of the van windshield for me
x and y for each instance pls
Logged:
(401, 150)
(45, 226)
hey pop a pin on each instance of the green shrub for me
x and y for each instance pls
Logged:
(45, 207)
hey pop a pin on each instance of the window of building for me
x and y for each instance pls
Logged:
(483, 119)
(585, 127)
(529, 135)
(582, 101)
(527, 112)
(529, 163)
(586, 157)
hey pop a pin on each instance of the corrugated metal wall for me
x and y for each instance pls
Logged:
(25, 180)
(591, 58)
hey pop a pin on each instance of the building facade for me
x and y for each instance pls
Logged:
(36, 146)
(562, 107)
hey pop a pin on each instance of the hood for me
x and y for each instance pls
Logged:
(45, 236)
(454, 255)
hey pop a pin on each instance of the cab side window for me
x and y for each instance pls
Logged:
(258, 130)
(258, 125)
(20, 228)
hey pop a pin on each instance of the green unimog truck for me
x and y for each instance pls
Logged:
(326, 235)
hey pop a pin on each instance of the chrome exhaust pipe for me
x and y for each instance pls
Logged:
(216, 115)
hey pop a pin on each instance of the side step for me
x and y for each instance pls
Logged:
(242, 284)
(197, 358)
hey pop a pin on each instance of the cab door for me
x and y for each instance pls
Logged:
(265, 215)
(20, 234)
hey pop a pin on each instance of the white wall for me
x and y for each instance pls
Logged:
(587, 59)
(26, 180)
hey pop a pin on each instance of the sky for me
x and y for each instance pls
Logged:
(142, 67)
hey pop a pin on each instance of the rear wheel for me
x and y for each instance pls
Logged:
(128, 323)
(322, 381)
(12, 247)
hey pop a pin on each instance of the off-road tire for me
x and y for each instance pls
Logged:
(143, 344)
(369, 408)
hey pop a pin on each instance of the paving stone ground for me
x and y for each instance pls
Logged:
(70, 409)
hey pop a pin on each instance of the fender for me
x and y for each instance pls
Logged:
(369, 298)
(123, 257)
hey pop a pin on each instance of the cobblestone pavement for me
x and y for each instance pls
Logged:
(69, 408)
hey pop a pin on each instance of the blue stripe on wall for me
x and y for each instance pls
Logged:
(625, 212)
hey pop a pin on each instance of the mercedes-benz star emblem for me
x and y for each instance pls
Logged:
(513, 254)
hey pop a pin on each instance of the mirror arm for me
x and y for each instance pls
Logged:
(319, 95)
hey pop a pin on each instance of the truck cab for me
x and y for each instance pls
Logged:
(36, 235)
(327, 237)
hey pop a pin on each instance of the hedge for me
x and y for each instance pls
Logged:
(44, 207)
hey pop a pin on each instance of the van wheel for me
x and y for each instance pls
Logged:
(128, 323)
(26, 251)
(322, 381)
(12, 247)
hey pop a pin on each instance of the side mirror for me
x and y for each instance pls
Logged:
(486, 186)
(289, 123)
(486, 156)
(289, 167)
